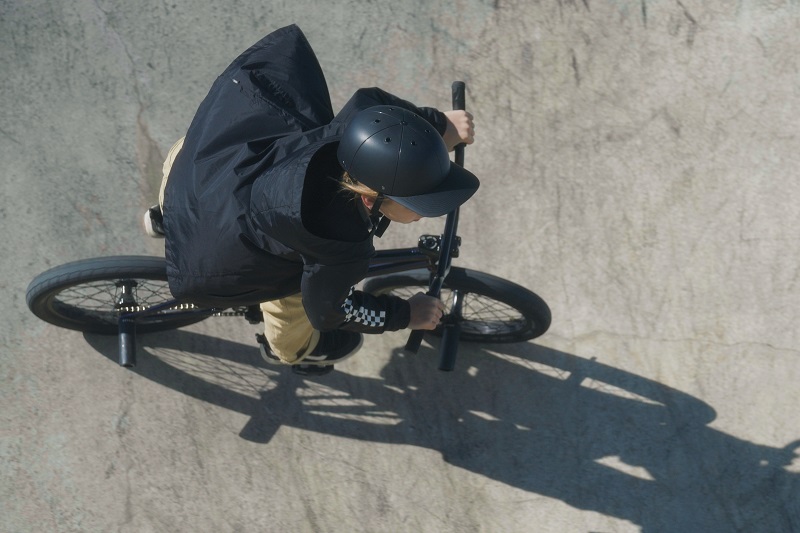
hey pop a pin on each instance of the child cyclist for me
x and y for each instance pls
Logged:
(271, 199)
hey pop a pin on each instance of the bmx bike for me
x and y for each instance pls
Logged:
(127, 295)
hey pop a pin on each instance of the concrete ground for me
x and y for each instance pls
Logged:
(639, 163)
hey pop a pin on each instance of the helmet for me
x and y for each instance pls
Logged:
(401, 156)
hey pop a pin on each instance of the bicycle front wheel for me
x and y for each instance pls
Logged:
(494, 310)
(89, 295)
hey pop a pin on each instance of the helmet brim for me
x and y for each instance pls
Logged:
(458, 187)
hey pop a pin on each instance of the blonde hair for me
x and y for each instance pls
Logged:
(351, 184)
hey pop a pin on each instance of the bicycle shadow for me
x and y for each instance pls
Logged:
(547, 422)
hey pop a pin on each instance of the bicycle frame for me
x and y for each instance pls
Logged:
(432, 251)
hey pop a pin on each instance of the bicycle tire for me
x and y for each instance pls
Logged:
(494, 310)
(81, 295)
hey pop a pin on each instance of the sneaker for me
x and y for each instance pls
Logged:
(311, 370)
(154, 222)
(333, 347)
(266, 352)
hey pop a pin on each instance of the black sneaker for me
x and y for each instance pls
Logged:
(334, 347)
(266, 352)
(311, 370)
(154, 222)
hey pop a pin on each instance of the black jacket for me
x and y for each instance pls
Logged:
(236, 207)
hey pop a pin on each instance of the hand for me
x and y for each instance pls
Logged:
(426, 311)
(460, 128)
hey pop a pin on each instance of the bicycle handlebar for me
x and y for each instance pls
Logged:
(450, 338)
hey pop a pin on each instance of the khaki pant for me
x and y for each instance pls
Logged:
(286, 326)
(288, 331)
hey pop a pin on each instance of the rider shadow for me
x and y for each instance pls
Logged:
(551, 423)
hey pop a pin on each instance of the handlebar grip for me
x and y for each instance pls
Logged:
(449, 347)
(459, 103)
(459, 95)
(414, 341)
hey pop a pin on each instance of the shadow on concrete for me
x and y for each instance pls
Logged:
(547, 422)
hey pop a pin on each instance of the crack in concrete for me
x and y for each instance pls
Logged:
(149, 158)
(692, 24)
(10, 137)
(575, 68)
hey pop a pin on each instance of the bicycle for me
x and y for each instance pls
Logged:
(127, 295)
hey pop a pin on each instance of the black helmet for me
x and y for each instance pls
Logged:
(401, 156)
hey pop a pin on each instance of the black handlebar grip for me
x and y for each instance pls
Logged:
(414, 341)
(449, 347)
(459, 103)
(459, 95)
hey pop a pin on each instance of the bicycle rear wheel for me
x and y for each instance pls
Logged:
(494, 310)
(88, 295)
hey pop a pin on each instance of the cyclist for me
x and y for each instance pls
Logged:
(271, 199)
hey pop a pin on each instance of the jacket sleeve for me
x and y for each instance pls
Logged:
(372, 96)
(332, 302)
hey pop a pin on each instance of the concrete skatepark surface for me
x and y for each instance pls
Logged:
(639, 165)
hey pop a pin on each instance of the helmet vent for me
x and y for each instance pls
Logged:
(387, 140)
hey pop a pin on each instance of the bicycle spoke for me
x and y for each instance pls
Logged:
(484, 315)
(99, 299)
(480, 314)
(90, 296)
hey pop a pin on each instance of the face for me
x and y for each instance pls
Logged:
(394, 211)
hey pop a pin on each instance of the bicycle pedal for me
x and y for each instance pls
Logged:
(254, 315)
(312, 370)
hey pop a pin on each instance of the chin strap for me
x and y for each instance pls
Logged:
(381, 227)
(379, 222)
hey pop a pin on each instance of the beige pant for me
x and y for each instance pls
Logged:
(286, 326)
(288, 331)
